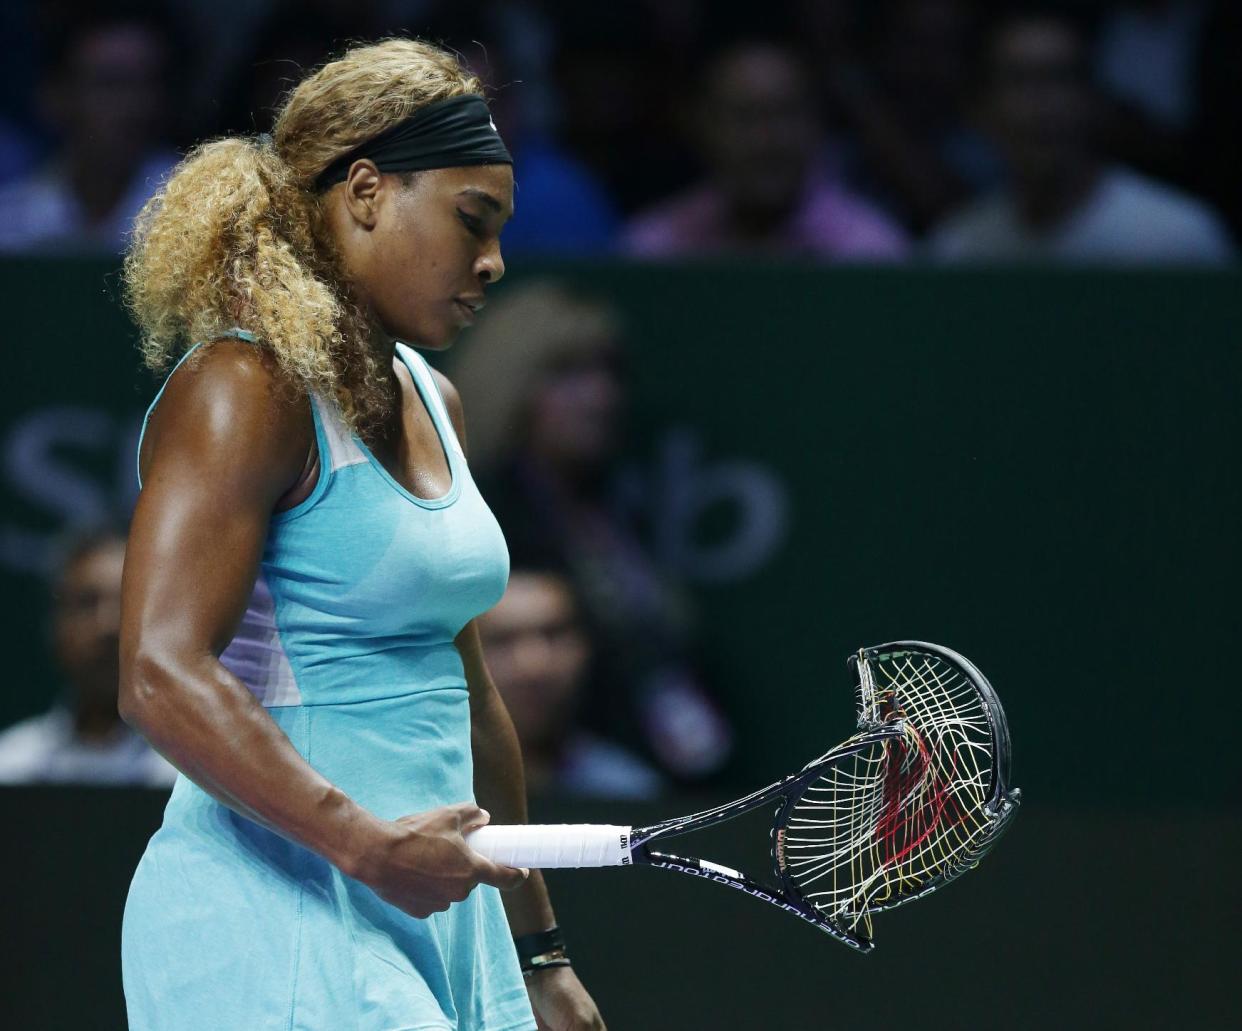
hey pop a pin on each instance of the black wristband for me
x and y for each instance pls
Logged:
(541, 949)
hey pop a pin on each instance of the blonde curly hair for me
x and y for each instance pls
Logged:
(237, 237)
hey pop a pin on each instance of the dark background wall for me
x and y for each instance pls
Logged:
(1038, 469)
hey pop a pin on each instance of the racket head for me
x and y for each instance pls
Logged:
(895, 661)
(912, 801)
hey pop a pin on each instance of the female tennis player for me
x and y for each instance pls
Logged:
(307, 558)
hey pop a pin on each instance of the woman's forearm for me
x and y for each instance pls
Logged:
(208, 725)
(500, 788)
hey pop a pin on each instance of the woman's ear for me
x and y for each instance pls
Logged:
(362, 188)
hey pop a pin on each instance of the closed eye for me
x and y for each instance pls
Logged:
(471, 222)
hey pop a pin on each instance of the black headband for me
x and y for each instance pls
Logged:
(447, 134)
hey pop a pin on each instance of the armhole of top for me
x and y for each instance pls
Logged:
(325, 468)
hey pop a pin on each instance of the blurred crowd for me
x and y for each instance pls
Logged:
(836, 130)
(854, 130)
(81, 739)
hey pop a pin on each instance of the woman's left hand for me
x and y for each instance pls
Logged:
(561, 1003)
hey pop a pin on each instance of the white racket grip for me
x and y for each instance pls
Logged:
(553, 846)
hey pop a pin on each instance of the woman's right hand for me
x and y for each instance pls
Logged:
(421, 863)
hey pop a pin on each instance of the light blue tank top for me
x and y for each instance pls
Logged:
(363, 586)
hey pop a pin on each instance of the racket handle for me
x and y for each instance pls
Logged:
(553, 846)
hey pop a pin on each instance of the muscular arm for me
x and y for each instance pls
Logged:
(224, 444)
(499, 784)
(559, 1001)
(221, 448)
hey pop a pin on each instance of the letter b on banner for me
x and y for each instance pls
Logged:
(694, 496)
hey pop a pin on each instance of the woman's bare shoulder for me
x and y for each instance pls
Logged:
(231, 400)
(231, 371)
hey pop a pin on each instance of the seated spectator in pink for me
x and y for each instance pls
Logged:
(105, 98)
(766, 188)
(538, 655)
(82, 740)
(1062, 200)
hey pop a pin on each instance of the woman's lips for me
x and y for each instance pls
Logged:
(467, 313)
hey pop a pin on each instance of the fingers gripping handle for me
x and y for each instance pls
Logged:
(553, 846)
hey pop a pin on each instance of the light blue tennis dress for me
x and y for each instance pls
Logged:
(348, 642)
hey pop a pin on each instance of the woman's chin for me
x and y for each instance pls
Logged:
(445, 340)
(429, 338)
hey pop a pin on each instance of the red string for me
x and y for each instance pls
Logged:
(926, 816)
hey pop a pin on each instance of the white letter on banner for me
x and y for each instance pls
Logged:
(35, 472)
(691, 488)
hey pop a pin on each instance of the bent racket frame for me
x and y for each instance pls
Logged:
(913, 800)
(1002, 801)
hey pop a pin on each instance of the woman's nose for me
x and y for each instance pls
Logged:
(490, 267)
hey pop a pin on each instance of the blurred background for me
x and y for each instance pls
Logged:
(826, 323)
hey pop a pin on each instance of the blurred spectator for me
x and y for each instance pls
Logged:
(1146, 57)
(538, 656)
(105, 97)
(17, 151)
(544, 393)
(560, 205)
(767, 190)
(1062, 200)
(294, 37)
(905, 115)
(82, 739)
(20, 145)
(1147, 64)
(618, 70)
